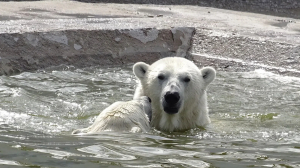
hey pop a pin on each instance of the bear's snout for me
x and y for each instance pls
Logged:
(171, 102)
(172, 98)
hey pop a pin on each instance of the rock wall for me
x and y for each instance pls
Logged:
(36, 50)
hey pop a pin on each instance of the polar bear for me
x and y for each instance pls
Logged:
(132, 116)
(177, 89)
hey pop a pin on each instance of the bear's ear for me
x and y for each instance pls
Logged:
(140, 69)
(208, 74)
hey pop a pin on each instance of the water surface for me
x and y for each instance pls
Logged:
(255, 122)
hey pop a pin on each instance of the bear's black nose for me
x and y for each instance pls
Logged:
(172, 98)
(149, 99)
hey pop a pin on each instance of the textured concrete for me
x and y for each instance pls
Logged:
(35, 50)
(286, 8)
(229, 51)
(40, 34)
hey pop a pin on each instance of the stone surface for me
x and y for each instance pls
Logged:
(287, 8)
(236, 53)
(36, 50)
(40, 34)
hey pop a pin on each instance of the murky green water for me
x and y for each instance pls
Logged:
(255, 122)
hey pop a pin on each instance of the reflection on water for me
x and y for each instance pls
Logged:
(255, 122)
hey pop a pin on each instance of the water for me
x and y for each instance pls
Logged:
(255, 122)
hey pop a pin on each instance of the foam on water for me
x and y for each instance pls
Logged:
(248, 63)
(263, 74)
(11, 118)
(254, 122)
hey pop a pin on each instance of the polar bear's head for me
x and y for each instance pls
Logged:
(174, 84)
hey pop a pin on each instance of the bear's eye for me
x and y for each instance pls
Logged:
(161, 77)
(186, 79)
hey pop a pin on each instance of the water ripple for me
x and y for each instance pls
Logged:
(106, 152)
(254, 122)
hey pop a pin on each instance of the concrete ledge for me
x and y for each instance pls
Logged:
(228, 51)
(35, 50)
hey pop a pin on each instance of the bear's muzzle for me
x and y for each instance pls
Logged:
(171, 103)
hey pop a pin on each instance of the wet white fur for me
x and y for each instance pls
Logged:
(122, 117)
(193, 111)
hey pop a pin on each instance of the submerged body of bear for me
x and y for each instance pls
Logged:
(131, 116)
(177, 89)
